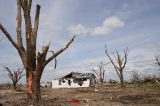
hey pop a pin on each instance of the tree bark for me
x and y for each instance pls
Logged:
(14, 86)
(121, 79)
(36, 94)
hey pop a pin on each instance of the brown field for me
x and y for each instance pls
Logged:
(106, 95)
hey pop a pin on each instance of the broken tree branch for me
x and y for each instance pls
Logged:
(125, 57)
(19, 23)
(59, 51)
(36, 24)
(55, 65)
(116, 67)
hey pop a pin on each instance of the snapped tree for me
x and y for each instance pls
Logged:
(15, 75)
(100, 72)
(34, 61)
(119, 63)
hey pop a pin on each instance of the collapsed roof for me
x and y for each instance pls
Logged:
(79, 75)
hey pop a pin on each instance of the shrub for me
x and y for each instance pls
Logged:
(135, 77)
(149, 79)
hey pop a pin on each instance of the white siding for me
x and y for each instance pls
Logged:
(55, 84)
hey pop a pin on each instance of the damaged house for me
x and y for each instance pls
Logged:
(74, 80)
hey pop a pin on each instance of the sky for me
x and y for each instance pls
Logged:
(118, 24)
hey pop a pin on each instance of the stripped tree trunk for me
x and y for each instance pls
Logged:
(34, 62)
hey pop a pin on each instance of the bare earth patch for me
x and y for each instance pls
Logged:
(94, 96)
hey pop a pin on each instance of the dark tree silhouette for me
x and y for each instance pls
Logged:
(34, 61)
(119, 63)
(15, 75)
(157, 58)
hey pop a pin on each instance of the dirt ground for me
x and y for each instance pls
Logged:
(106, 95)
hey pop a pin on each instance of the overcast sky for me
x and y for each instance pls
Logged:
(117, 23)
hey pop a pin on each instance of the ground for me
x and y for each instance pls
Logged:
(101, 95)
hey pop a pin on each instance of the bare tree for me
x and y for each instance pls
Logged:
(157, 58)
(119, 63)
(15, 75)
(34, 61)
(100, 72)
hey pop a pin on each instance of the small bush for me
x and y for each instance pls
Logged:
(113, 81)
(5, 85)
(149, 79)
(135, 77)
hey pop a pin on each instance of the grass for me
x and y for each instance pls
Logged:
(152, 85)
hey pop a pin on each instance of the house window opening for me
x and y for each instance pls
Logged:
(60, 82)
(69, 82)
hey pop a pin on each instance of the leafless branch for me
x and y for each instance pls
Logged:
(55, 65)
(96, 72)
(59, 51)
(8, 36)
(100, 73)
(125, 57)
(111, 60)
(157, 58)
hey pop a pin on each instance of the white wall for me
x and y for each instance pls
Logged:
(55, 84)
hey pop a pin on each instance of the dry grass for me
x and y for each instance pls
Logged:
(105, 95)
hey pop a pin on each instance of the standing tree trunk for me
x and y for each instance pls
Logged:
(33, 61)
(36, 88)
(121, 79)
(14, 86)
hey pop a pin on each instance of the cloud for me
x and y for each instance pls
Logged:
(78, 29)
(108, 25)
